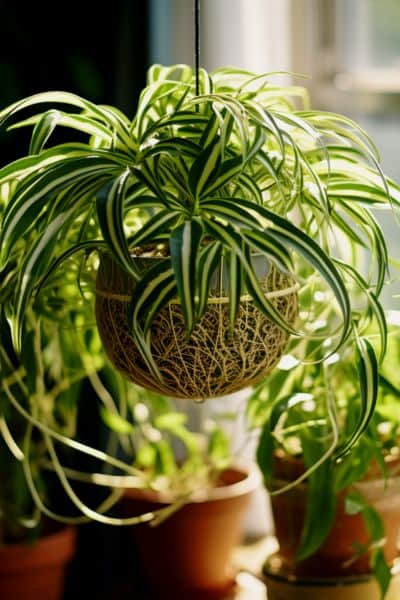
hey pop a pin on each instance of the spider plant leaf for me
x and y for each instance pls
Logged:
(154, 290)
(204, 169)
(86, 247)
(43, 130)
(173, 145)
(342, 127)
(231, 240)
(208, 260)
(376, 307)
(320, 507)
(211, 130)
(265, 453)
(235, 282)
(110, 212)
(362, 192)
(34, 267)
(158, 224)
(29, 200)
(184, 245)
(183, 117)
(347, 229)
(275, 411)
(373, 230)
(287, 233)
(227, 209)
(21, 168)
(152, 94)
(226, 172)
(46, 123)
(368, 378)
(104, 114)
(269, 246)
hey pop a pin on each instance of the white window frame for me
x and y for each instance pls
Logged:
(314, 53)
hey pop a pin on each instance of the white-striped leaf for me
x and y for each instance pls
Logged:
(235, 282)
(86, 247)
(160, 223)
(368, 378)
(105, 114)
(43, 130)
(287, 233)
(110, 212)
(184, 246)
(231, 240)
(370, 226)
(226, 208)
(30, 198)
(228, 170)
(376, 307)
(204, 169)
(154, 290)
(33, 268)
(209, 258)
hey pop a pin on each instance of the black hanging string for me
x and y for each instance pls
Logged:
(197, 44)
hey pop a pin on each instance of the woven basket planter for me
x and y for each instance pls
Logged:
(214, 361)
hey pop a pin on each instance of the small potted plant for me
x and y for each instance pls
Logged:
(212, 215)
(196, 485)
(336, 522)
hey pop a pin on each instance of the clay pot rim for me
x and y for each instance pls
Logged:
(272, 572)
(249, 483)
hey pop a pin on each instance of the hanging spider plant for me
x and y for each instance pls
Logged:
(213, 215)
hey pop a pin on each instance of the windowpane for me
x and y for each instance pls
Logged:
(368, 34)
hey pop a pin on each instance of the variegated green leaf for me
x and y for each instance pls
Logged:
(33, 268)
(110, 212)
(162, 222)
(204, 169)
(29, 200)
(231, 240)
(154, 290)
(375, 305)
(209, 257)
(235, 281)
(184, 247)
(287, 233)
(368, 378)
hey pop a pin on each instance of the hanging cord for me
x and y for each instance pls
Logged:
(197, 44)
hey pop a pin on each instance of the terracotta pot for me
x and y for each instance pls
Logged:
(335, 557)
(36, 571)
(189, 554)
(215, 360)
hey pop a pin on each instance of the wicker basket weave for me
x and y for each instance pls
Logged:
(215, 360)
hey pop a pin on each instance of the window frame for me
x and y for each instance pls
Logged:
(315, 53)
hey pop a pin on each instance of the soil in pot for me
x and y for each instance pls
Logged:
(189, 554)
(37, 570)
(215, 360)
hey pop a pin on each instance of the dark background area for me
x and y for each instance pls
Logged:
(96, 50)
(99, 51)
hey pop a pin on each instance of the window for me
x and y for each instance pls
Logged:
(351, 50)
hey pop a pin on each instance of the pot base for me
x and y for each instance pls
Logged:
(361, 587)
